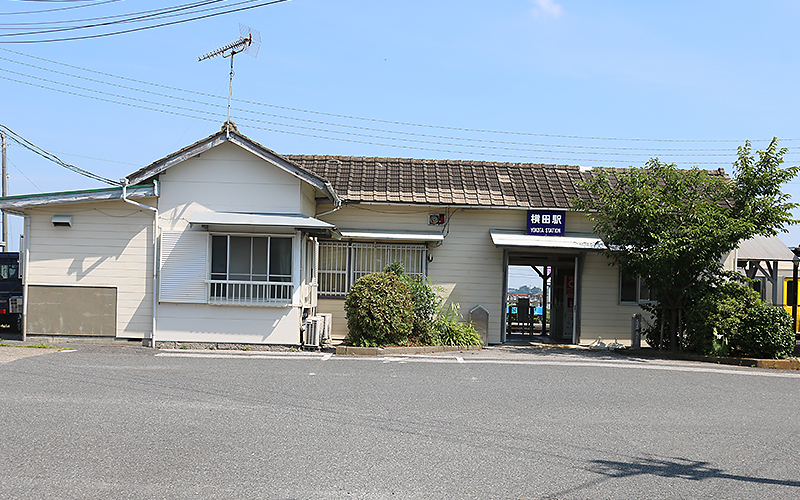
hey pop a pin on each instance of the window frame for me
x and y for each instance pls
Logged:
(251, 291)
(640, 287)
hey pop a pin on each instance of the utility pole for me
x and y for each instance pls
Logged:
(5, 192)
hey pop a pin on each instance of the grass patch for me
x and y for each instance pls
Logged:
(40, 345)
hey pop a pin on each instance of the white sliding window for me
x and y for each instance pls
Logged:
(251, 270)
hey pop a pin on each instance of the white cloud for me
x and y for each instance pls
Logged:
(547, 8)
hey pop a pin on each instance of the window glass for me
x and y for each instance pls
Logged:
(627, 289)
(342, 263)
(219, 257)
(791, 298)
(239, 261)
(280, 259)
(260, 259)
(644, 292)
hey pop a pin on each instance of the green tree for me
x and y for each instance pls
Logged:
(672, 227)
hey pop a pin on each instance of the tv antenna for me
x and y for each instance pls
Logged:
(249, 42)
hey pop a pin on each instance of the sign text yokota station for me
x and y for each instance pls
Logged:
(546, 222)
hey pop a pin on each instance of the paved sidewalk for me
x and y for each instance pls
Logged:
(18, 352)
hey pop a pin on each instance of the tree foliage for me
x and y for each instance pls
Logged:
(673, 227)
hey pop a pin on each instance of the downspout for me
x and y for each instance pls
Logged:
(124, 182)
(26, 235)
(337, 202)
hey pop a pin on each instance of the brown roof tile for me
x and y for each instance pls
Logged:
(450, 182)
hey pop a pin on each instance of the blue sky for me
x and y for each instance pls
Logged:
(575, 82)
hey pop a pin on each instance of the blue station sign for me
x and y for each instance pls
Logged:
(546, 222)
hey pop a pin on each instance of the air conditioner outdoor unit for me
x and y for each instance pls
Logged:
(328, 317)
(315, 328)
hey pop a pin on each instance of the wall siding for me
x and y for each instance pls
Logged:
(226, 179)
(467, 264)
(229, 179)
(110, 244)
(229, 324)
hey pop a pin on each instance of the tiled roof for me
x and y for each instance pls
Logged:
(447, 182)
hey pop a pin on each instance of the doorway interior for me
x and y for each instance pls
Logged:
(540, 297)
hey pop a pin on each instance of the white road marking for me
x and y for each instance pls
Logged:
(274, 355)
(425, 358)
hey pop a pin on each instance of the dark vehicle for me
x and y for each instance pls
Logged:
(10, 293)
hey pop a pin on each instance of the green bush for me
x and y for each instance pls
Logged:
(713, 318)
(765, 332)
(454, 333)
(433, 323)
(379, 310)
(427, 302)
(447, 330)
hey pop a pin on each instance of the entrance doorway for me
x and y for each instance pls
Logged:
(540, 297)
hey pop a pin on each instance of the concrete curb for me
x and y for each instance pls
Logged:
(347, 350)
(776, 364)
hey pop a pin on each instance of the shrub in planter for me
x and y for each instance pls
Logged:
(765, 332)
(379, 310)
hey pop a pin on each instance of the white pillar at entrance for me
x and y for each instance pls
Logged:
(575, 305)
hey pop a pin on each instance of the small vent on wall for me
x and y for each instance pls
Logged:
(62, 220)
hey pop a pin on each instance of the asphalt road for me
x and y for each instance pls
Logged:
(128, 422)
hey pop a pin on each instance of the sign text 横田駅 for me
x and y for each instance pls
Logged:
(546, 222)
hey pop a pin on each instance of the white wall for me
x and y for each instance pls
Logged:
(110, 243)
(233, 324)
(230, 179)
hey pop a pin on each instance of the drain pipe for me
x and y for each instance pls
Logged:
(337, 202)
(124, 182)
(26, 235)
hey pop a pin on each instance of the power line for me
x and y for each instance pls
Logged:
(340, 139)
(55, 159)
(328, 131)
(58, 9)
(141, 28)
(23, 175)
(377, 120)
(153, 14)
(356, 134)
(647, 151)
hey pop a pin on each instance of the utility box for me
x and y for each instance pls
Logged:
(479, 317)
(636, 331)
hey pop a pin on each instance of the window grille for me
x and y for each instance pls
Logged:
(340, 264)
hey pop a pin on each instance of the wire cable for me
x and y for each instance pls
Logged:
(356, 134)
(342, 139)
(142, 28)
(55, 159)
(94, 4)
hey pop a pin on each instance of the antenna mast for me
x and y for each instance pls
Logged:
(248, 42)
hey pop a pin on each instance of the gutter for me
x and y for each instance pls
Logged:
(124, 182)
(333, 197)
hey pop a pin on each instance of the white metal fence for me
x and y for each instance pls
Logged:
(249, 293)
